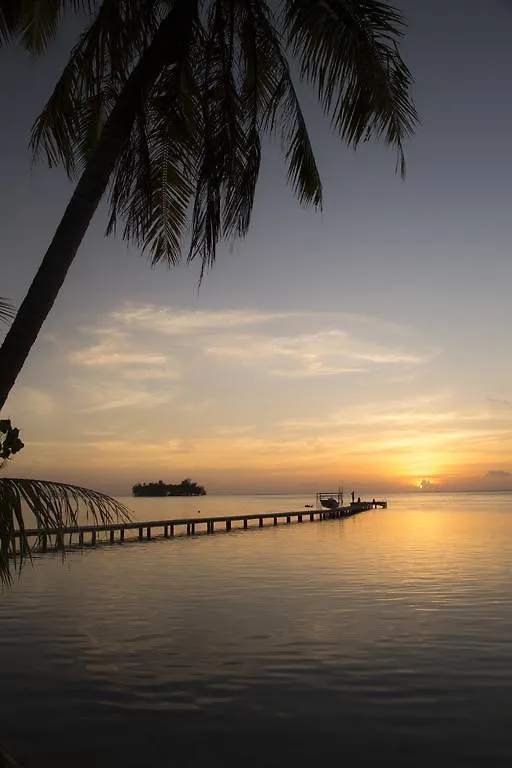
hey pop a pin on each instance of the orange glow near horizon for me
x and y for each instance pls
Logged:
(250, 400)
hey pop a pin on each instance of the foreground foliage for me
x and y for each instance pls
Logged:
(46, 506)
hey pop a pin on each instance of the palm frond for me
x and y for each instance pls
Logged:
(153, 181)
(348, 49)
(6, 310)
(247, 89)
(70, 124)
(35, 22)
(158, 209)
(221, 133)
(53, 506)
(278, 102)
(9, 21)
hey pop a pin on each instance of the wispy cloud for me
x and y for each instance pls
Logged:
(428, 412)
(128, 358)
(178, 322)
(113, 394)
(165, 372)
(100, 356)
(335, 343)
(325, 353)
(134, 399)
(171, 321)
(114, 349)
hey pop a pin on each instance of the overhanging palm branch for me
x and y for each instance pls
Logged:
(192, 148)
(52, 507)
(348, 50)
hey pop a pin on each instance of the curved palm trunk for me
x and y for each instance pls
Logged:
(169, 43)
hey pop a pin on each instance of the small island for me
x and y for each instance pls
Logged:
(186, 488)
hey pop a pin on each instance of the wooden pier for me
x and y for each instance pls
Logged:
(90, 535)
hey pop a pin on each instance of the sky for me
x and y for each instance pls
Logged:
(367, 345)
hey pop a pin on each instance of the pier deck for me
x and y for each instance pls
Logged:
(90, 535)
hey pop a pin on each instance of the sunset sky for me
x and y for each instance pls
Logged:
(367, 345)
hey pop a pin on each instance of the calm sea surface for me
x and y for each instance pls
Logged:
(382, 639)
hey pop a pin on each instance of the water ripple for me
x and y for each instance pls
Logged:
(394, 628)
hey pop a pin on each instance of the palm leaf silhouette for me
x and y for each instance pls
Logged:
(6, 310)
(49, 506)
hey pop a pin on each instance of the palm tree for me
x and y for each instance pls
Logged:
(165, 103)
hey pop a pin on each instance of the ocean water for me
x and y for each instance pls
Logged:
(381, 639)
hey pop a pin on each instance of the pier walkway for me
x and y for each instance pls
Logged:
(90, 535)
